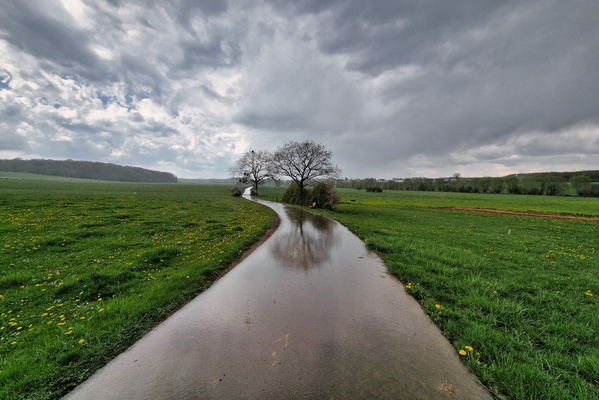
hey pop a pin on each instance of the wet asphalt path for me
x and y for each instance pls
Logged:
(311, 314)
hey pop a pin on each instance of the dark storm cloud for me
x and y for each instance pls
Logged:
(36, 28)
(393, 88)
(485, 70)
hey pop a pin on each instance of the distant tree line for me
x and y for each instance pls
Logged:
(87, 170)
(583, 183)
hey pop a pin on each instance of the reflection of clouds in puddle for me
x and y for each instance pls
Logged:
(308, 241)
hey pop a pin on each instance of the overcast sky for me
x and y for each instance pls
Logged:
(394, 88)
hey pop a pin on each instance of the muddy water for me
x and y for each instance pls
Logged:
(311, 314)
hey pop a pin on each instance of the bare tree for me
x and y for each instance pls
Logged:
(254, 167)
(303, 162)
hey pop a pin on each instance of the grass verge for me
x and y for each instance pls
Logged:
(87, 268)
(516, 296)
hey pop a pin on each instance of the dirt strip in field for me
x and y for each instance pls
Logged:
(520, 213)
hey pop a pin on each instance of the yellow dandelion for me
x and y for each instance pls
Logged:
(81, 341)
(468, 348)
(438, 306)
(462, 352)
(82, 318)
(68, 332)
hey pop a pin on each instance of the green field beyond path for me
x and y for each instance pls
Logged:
(517, 296)
(86, 268)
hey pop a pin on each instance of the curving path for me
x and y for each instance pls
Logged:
(311, 314)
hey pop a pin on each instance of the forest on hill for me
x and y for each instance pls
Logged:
(87, 170)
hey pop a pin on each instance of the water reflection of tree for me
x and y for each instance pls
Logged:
(308, 242)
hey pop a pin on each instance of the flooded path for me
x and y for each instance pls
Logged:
(311, 314)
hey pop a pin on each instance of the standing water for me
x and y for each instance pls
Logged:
(311, 314)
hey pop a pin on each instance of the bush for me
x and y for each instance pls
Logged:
(292, 195)
(325, 196)
(235, 192)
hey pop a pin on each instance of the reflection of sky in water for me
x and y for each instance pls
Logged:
(306, 242)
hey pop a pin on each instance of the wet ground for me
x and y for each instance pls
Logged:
(311, 314)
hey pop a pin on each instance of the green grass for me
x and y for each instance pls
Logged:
(586, 206)
(86, 268)
(517, 290)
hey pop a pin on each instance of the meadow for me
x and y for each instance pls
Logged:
(515, 295)
(87, 268)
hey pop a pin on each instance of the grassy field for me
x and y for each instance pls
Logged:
(86, 268)
(517, 296)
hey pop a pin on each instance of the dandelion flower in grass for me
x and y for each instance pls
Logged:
(468, 348)
(68, 332)
(462, 352)
(439, 306)
(81, 341)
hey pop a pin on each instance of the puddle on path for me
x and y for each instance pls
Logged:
(311, 314)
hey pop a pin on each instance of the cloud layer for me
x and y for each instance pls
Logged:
(394, 89)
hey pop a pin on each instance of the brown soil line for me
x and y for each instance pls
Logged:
(533, 214)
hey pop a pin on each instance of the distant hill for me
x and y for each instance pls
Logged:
(87, 170)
